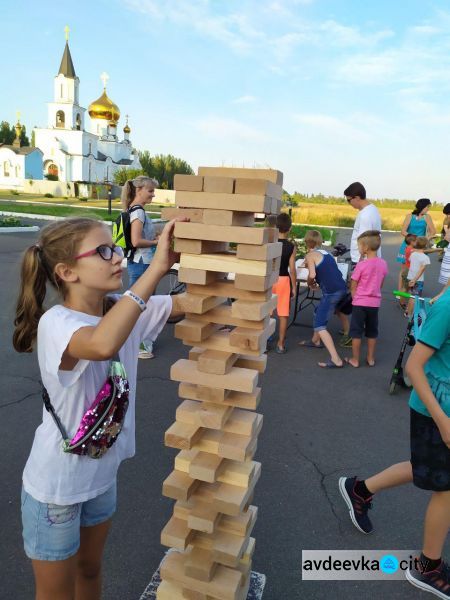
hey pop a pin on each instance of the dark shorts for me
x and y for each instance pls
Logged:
(326, 308)
(364, 320)
(430, 457)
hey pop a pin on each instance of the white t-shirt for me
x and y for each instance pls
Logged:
(417, 261)
(51, 475)
(148, 233)
(368, 219)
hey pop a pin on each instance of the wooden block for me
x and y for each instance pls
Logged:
(204, 518)
(226, 445)
(235, 399)
(203, 414)
(188, 183)
(242, 173)
(205, 467)
(237, 235)
(191, 595)
(179, 486)
(194, 330)
(195, 215)
(213, 216)
(258, 363)
(253, 282)
(210, 468)
(253, 310)
(212, 395)
(199, 246)
(197, 276)
(226, 498)
(182, 435)
(243, 202)
(226, 262)
(224, 548)
(218, 185)
(243, 422)
(222, 315)
(266, 252)
(248, 551)
(169, 590)
(225, 584)
(199, 564)
(251, 339)
(258, 186)
(276, 206)
(220, 340)
(176, 534)
(227, 288)
(240, 380)
(216, 362)
(241, 524)
(194, 303)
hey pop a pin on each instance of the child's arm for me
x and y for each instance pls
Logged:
(104, 340)
(419, 356)
(292, 271)
(311, 266)
(441, 293)
(421, 271)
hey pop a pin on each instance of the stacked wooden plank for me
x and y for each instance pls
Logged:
(216, 428)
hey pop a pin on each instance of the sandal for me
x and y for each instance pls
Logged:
(310, 344)
(330, 365)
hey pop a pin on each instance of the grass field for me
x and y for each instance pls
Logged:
(343, 215)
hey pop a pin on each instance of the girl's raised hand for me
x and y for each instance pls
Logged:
(165, 256)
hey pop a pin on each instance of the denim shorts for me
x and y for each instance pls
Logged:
(417, 289)
(52, 532)
(326, 308)
(135, 270)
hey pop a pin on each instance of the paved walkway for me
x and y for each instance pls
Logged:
(318, 425)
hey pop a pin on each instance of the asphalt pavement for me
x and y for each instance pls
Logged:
(318, 426)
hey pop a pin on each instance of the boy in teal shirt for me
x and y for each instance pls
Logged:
(428, 368)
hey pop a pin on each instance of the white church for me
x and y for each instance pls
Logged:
(68, 151)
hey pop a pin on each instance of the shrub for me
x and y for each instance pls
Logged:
(48, 195)
(9, 222)
(14, 192)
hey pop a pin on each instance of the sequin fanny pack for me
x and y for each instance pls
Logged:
(101, 424)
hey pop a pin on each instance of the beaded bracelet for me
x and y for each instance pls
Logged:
(142, 305)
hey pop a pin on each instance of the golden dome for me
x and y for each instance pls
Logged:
(126, 129)
(104, 108)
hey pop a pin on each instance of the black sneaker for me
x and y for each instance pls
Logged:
(437, 581)
(358, 507)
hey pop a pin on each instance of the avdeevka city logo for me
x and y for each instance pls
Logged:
(389, 564)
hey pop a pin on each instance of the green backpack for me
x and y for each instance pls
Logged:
(121, 231)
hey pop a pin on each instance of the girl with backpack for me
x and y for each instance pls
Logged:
(69, 485)
(136, 193)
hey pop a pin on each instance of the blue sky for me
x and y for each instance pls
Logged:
(327, 91)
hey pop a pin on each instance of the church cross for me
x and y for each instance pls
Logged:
(104, 77)
(18, 115)
(66, 30)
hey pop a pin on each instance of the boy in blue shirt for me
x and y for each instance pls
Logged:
(428, 368)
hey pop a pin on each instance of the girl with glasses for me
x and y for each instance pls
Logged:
(68, 500)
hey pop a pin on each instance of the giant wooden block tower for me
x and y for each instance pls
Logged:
(216, 428)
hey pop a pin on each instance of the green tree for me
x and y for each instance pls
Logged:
(24, 141)
(8, 134)
(164, 167)
(33, 139)
(121, 176)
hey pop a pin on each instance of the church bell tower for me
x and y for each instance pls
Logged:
(65, 112)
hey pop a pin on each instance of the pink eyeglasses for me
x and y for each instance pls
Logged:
(105, 252)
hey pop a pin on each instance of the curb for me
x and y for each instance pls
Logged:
(18, 229)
